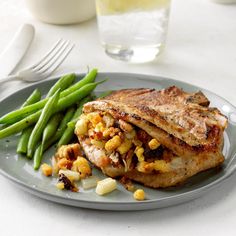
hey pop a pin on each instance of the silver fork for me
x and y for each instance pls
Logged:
(46, 65)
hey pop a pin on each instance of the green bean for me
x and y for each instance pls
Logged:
(62, 127)
(63, 83)
(48, 132)
(51, 127)
(20, 125)
(23, 142)
(43, 147)
(89, 78)
(33, 98)
(17, 115)
(63, 104)
(66, 137)
(38, 155)
(77, 96)
(24, 138)
(42, 122)
(21, 113)
(68, 133)
(67, 117)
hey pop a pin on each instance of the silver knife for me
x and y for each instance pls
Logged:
(16, 49)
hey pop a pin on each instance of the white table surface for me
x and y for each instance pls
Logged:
(201, 50)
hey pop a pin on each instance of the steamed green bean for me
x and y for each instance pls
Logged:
(21, 113)
(41, 123)
(62, 105)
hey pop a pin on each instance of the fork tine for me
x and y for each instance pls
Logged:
(59, 62)
(47, 54)
(58, 59)
(51, 56)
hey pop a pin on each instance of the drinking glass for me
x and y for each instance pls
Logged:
(133, 30)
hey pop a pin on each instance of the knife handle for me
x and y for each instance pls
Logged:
(16, 49)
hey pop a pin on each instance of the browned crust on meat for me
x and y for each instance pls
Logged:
(183, 115)
(180, 121)
(175, 144)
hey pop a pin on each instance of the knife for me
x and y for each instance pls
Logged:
(16, 49)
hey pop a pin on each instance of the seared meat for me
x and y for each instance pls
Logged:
(189, 132)
(173, 110)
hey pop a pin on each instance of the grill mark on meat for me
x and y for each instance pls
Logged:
(136, 117)
(177, 144)
(199, 150)
(166, 109)
(198, 98)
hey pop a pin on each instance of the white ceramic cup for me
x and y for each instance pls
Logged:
(62, 11)
(224, 1)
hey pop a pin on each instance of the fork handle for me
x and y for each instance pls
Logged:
(9, 78)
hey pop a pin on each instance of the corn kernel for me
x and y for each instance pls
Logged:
(99, 127)
(125, 146)
(161, 165)
(141, 167)
(139, 195)
(46, 169)
(153, 144)
(94, 118)
(81, 127)
(60, 185)
(113, 143)
(110, 132)
(145, 167)
(82, 166)
(139, 153)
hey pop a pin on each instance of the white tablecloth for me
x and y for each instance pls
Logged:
(201, 50)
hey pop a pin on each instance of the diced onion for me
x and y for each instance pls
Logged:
(106, 186)
(55, 168)
(90, 182)
(71, 175)
(81, 126)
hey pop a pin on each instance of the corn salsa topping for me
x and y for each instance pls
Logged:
(121, 144)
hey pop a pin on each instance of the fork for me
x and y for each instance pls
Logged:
(46, 65)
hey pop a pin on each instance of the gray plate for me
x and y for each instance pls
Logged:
(20, 171)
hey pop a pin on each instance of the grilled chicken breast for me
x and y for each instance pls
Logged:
(158, 138)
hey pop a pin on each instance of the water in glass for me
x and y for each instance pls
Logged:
(133, 30)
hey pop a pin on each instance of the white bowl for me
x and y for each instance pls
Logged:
(62, 11)
(224, 1)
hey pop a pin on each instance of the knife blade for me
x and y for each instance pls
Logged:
(16, 49)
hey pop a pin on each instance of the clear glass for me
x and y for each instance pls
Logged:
(133, 30)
